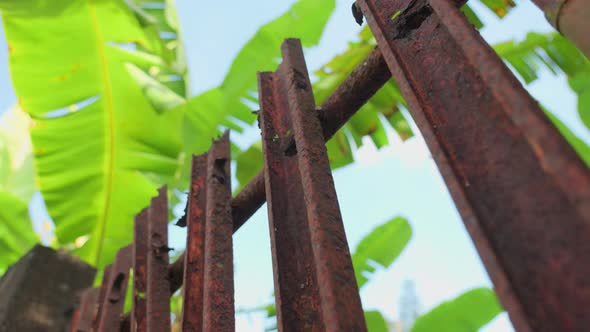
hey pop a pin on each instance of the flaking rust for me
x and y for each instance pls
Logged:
(340, 106)
(208, 265)
(218, 282)
(158, 284)
(116, 288)
(521, 189)
(315, 287)
(140, 252)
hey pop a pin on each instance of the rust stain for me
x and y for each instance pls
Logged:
(315, 286)
(521, 189)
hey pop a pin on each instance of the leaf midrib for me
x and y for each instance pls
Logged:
(109, 124)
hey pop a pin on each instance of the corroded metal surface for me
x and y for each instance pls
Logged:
(315, 286)
(348, 98)
(297, 300)
(522, 191)
(102, 290)
(342, 104)
(140, 251)
(218, 289)
(87, 310)
(158, 285)
(116, 289)
(75, 319)
(192, 308)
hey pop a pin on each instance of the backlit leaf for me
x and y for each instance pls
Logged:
(467, 313)
(98, 142)
(382, 246)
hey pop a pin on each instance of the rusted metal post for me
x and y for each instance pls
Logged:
(87, 310)
(194, 263)
(140, 251)
(158, 285)
(114, 299)
(218, 297)
(102, 291)
(209, 288)
(315, 286)
(343, 103)
(522, 191)
(348, 98)
(571, 18)
(75, 319)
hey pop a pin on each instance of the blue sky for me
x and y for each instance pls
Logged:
(401, 179)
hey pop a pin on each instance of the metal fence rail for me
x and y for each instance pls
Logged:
(522, 191)
(208, 295)
(315, 287)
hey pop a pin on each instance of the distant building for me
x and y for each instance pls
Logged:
(409, 307)
(395, 327)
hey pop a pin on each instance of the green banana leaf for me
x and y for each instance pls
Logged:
(555, 53)
(499, 7)
(382, 246)
(248, 164)
(375, 321)
(101, 148)
(16, 231)
(467, 313)
(16, 166)
(227, 104)
(372, 120)
(16, 188)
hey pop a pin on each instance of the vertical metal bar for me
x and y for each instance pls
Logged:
(125, 323)
(140, 251)
(102, 291)
(296, 291)
(218, 296)
(158, 285)
(75, 319)
(315, 286)
(522, 191)
(88, 307)
(192, 308)
(114, 299)
(343, 103)
(364, 81)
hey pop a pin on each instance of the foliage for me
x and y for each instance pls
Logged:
(111, 121)
(555, 53)
(375, 321)
(382, 246)
(466, 313)
(100, 147)
(371, 120)
(368, 120)
(16, 188)
(121, 95)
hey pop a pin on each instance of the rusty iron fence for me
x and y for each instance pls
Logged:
(523, 193)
